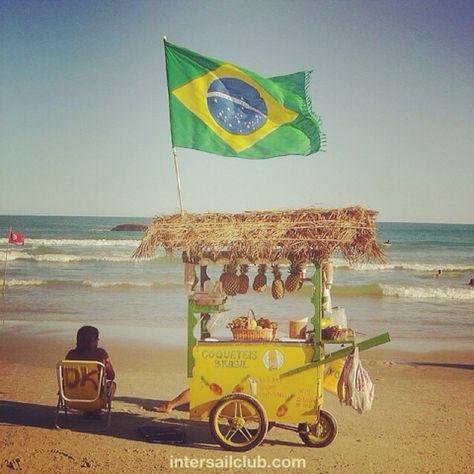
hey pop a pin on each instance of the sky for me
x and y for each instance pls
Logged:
(84, 126)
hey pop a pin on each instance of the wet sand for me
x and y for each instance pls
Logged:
(421, 421)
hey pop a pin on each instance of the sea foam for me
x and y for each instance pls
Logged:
(65, 258)
(428, 292)
(81, 242)
(410, 266)
(91, 283)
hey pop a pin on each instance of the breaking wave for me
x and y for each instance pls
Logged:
(380, 290)
(58, 257)
(65, 258)
(425, 292)
(82, 242)
(410, 266)
(91, 283)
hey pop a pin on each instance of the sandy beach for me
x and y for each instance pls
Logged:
(421, 421)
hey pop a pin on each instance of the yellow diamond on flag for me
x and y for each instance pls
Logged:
(233, 106)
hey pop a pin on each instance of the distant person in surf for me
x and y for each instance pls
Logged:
(471, 282)
(438, 274)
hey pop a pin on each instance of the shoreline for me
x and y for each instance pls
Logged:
(62, 334)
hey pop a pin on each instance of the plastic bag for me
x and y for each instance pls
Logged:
(354, 387)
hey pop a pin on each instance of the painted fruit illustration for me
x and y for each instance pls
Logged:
(283, 408)
(213, 387)
(239, 387)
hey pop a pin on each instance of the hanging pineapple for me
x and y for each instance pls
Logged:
(260, 280)
(243, 279)
(294, 279)
(224, 275)
(230, 280)
(278, 289)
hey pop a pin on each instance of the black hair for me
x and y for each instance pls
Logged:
(85, 338)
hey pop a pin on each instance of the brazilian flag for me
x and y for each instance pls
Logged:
(224, 109)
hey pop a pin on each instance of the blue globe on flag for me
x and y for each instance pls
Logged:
(235, 105)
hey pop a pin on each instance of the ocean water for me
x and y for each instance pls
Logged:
(75, 270)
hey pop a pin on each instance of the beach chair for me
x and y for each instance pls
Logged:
(83, 386)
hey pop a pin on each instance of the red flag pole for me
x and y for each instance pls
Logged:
(6, 259)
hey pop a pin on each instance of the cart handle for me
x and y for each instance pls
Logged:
(363, 345)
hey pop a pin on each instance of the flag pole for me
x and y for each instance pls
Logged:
(5, 266)
(178, 181)
(173, 149)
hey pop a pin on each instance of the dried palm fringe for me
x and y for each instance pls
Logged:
(296, 235)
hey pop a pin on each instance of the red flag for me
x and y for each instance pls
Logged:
(15, 237)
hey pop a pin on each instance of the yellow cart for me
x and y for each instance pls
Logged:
(244, 387)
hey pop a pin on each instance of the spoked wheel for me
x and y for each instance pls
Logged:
(238, 422)
(321, 433)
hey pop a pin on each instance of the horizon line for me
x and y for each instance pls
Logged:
(151, 217)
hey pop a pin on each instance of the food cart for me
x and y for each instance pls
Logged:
(256, 377)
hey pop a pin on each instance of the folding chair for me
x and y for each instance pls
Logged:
(83, 386)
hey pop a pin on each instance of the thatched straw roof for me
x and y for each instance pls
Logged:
(296, 235)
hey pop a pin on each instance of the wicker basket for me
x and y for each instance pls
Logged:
(244, 334)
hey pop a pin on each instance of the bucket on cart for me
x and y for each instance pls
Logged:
(297, 328)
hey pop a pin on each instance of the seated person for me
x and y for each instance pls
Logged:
(87, 340)
(169, 405)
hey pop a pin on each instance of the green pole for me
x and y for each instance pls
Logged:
(191, 338)
(316, 319)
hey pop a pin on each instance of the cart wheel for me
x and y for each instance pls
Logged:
(321, 433)
(238, 422)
